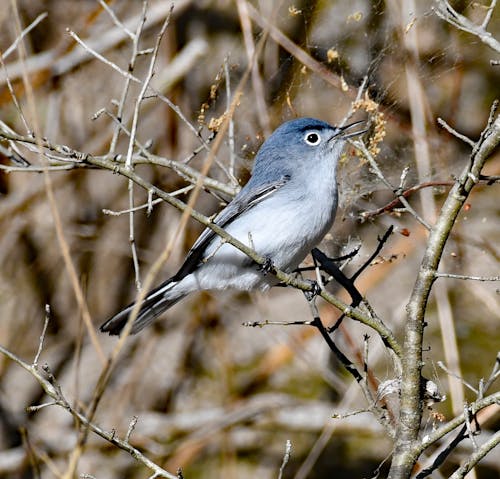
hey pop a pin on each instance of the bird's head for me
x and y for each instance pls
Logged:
(303, 143)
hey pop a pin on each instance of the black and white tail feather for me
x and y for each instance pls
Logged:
(155, 303)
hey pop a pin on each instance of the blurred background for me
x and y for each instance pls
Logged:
(214, 397)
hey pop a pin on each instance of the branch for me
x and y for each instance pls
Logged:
(476, 456)
(75, 159)
(25, 31)
(442, 431)
(396, 202)
(406, 449)
(397, 191)
(53, 390)
(467, 277)
(286, 458)
(445, 11)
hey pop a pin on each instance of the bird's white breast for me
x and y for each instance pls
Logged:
(282, 227)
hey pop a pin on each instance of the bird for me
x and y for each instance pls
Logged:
(284, 210)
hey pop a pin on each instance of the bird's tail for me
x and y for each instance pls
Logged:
(156, 302)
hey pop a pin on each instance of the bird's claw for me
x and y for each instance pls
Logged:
(314, 291)
(267, 266)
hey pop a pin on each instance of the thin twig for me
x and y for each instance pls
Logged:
(17, 105)
(286, 457)
(489, 13)
(42, 336)
(131, 428)
(378, 172)
(116, 20)
(454, 132)
(22, 34)
(451, 373)
(149, 204)
(495, 374)
(361, 90)
(133, 129)
(392, 206)
(466, 277)
(230, 129)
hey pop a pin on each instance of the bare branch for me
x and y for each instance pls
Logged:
(286, 457)
(476, 456)
(378, 172)
(445, 11)
(454, 132)
(440, 432)
(450, 373)
(411, 406)
(42, 336)
(116, 20)
(52, 389)
(22, 34)
(467, 277)
(77, 158)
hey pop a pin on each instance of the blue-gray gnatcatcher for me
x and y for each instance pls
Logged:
(284, 210)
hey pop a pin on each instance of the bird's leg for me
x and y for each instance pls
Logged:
(314, 291)
(267, 266)
(349, 255)
(329, 266)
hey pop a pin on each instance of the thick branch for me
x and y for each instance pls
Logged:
(406, 450)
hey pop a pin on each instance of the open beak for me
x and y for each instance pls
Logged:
(344, 130)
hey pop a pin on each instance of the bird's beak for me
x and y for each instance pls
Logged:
(344, 130)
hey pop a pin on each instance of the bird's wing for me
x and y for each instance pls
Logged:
(246, 199)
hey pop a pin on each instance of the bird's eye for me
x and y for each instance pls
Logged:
(312, 138)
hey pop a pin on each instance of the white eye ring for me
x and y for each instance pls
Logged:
(312, 138)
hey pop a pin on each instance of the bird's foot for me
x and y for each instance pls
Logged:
(314, 291)
(267, 266)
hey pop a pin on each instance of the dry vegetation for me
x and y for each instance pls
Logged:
(97, 93)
